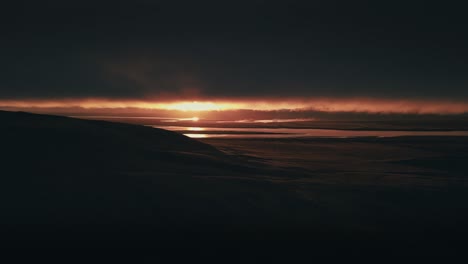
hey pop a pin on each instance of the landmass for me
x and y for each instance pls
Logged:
(86, 183)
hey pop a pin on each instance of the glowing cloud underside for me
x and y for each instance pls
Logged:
(196, 106)
(368, 105)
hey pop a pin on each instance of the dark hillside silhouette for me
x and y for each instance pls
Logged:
(78, 183)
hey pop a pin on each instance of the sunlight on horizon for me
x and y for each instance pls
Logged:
(196, 135)
(197, 106)
(195, 128)
(359, 105)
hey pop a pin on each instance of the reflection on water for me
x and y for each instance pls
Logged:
(230, 132)
(195, 128)
(196, 135)
(279, 120)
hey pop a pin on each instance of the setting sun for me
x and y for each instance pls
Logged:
(195, 106)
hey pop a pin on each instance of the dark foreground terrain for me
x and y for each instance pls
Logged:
(79, 183)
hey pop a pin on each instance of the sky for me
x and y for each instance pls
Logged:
(327, 55)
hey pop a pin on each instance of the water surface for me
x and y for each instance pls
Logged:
(232, 132)
(291, 128)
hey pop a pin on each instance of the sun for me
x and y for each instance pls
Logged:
(194, 106)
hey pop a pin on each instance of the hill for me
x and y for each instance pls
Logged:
(67, 182)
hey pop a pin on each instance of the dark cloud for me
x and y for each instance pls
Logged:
(142, 49)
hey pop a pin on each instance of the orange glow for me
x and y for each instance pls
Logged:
(194, 119)
(196, 135)
(195, 128)
(369, 105)
(195, 106)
